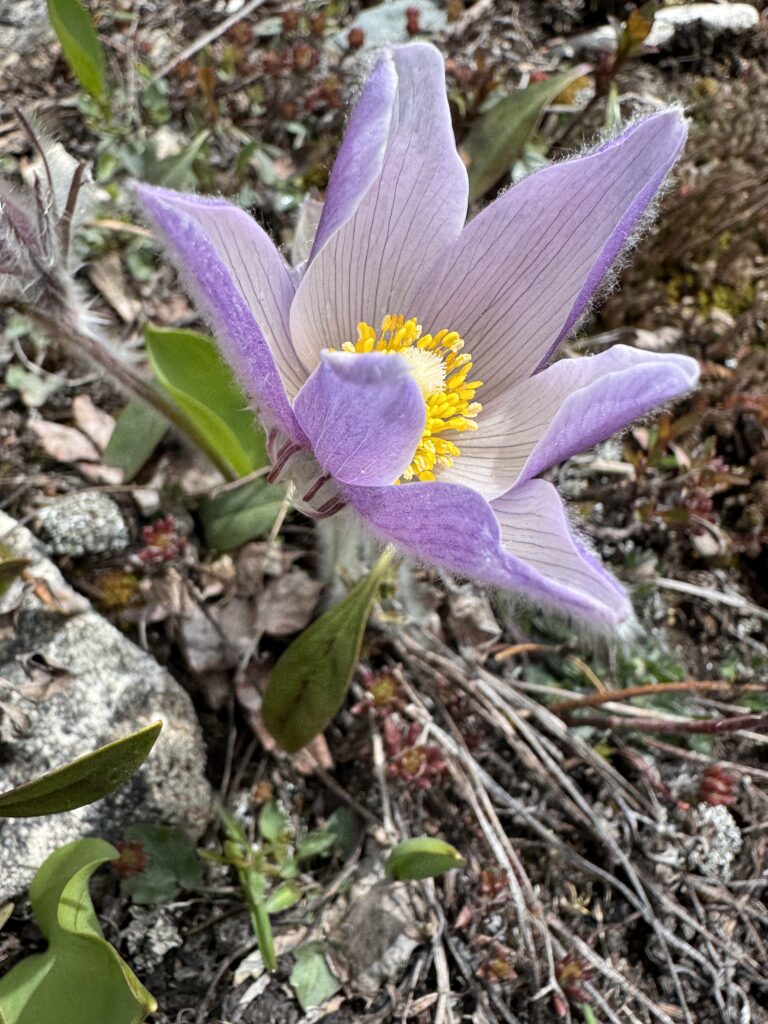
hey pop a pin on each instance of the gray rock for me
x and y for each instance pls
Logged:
(717, 17)
(107, 687)
(85, 523)
(24, 28)
(726, 17)
(385, 24)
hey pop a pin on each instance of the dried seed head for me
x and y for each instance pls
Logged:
(37, 226)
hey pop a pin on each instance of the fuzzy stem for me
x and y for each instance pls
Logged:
(82, 343)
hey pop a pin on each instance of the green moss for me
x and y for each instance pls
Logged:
(734, 300)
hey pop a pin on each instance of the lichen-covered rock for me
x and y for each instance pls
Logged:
(24, 28)
(85, 523)
(102, 687)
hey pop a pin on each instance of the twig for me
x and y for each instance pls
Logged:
(741, 604)
(590, 700)
(674, 727)
(209, 37)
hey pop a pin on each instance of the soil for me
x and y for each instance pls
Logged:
(592, 876)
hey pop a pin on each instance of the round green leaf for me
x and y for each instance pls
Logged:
(79, 977)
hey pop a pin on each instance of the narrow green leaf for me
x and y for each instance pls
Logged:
(190, 369)
(499, 136)
(138, 431)
(5, 913)
(422, 857)
(175, 171)
(81, 46)
(11, 567)
(588, 1013)
(285, 896)
(234, 517)
(311, 978)
(79, 977)
(83, 781)
(311, 677)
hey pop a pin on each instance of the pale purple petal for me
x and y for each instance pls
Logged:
(256, 266)
(535, 528)
(568, 407)
(363, 414)
(219, 300)
(361, 154)
(524, 269)
(536, 556)
(404, 223)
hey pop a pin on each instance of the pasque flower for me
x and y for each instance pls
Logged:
(359, 360)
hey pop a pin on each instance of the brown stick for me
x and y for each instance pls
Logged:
(589, 700)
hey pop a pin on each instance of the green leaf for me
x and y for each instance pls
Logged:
(233, 517)
(314, 844)
(83, 781)
(174, 171)
(311, 978)
(172, 864)
(83, 52)
(499, 136)
(189, 367)
(422, 857)
(138, 431)
(285, 896)
(11, 567)
(311, 677)
(5, 913)
(272, 823)
(346, 829)
(80, 977)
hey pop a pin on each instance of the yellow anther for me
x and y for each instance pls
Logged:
(440, 369)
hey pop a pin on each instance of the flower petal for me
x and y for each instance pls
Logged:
(525, 268)
(535, 528)
(395, 231)
(523, 543)
(361, 154)
(568, 407)
(364, 416)
(255, 264)
(210, 281)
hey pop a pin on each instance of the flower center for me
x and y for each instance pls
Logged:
(440, 369)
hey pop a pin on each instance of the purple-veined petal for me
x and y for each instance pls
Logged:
(568, 407)
(399, 228)
(361, 154)
(256, 266)
(535, 528)
(219, 300)
(526, 546)
(524, 269)
(363, 414)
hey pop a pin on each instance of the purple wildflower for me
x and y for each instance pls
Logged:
(387, 422)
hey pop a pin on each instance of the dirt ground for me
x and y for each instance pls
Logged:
(610, 798)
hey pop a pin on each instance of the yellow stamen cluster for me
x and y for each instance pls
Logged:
(440, 369)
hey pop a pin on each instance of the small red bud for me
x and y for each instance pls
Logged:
(412, 19)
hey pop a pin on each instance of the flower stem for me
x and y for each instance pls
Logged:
(89, 346)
